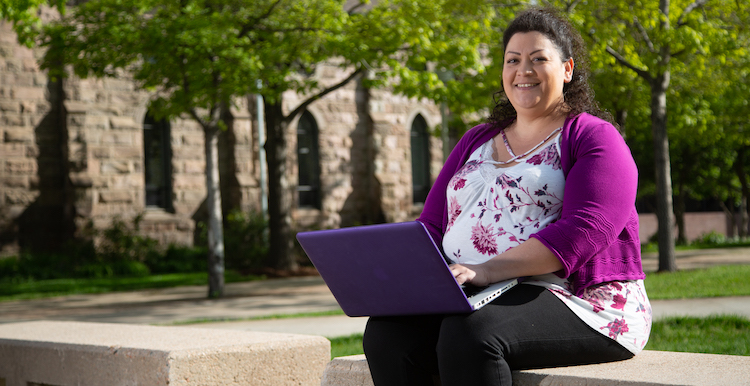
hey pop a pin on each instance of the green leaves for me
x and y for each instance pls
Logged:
(23, 14)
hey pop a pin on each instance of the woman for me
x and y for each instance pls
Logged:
(546, 191)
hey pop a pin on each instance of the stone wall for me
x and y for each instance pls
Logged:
(364, 153)
(72, 155)
(31, 171)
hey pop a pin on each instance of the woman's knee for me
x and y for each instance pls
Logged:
(394, 336)
(467, 335)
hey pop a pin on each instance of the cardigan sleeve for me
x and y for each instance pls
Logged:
(599, 195)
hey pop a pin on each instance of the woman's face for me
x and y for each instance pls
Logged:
(534, 74)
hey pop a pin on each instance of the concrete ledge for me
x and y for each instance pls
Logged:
(650, 368)
(75, 353)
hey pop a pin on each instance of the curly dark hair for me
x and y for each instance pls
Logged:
(577, 93)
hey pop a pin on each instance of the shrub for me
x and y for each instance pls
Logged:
(179, 259)
(245, 240)
(710, 239)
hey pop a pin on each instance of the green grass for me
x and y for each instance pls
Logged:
(723, 280)
(346, 345)
(700, 283)
(723, 334)
(34, 289)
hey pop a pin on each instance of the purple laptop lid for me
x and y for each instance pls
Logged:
(385, 269)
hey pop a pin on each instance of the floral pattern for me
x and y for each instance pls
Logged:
(618, 309)
(511, 204)
(492, 209)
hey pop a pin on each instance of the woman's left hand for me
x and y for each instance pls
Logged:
(472, 274)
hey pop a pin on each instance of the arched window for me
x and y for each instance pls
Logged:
(420, 159)
(308, 161)
(157, 163)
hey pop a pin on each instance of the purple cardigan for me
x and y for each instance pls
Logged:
(596, 236)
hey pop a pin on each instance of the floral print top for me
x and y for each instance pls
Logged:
(492, 209)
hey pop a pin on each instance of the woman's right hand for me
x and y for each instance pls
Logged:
(470, 274)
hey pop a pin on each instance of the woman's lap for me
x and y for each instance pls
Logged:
(527, 327)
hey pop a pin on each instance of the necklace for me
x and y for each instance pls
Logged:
(513, 156)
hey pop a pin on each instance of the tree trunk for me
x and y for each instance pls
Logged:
(664, 207)
(215, 226)
(679, 211)
(743, 157)
(279, 190)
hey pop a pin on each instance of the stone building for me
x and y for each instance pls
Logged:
(85, 151)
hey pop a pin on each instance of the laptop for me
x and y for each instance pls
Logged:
(391, 269)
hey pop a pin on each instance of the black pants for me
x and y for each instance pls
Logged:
(528, 327)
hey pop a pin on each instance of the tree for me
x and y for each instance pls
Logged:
(651, 39)
(392, 42)
(199, 54)
(191, 54)
(731, 182)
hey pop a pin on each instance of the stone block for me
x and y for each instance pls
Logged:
(13, 119)
(20, 166)
(115, 196)
(193, 196)
(194, 167)
(101, 152)
(10, 106)
(19, 197)
(122, 123)
(28, 93)
(81, 180)
(15, 182)
(19, 135)
(96, 121)
(653, 368)
(127, 152)
(12, 150)
(196, 139)
(74, 353)
(187, 182)
(114, 167)
(124, 181)
(75, 107)
(117, 138)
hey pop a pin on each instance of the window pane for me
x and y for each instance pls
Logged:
(157, 162)
(308, 162)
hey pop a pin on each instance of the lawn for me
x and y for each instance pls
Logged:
(723, 334)
(33, 289)
(722, 280)
(720, 334)
(715, 281)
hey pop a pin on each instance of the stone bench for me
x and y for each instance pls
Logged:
(47, 353)
(652, 368)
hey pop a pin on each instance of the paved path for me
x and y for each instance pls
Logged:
(300, 295)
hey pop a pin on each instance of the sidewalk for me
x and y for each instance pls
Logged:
(300, 295)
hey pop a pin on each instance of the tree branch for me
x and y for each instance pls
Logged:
(249, 26)
(571, 6)
(642, 73)
(690, 8)
(321, 94)
(644, 34)
(356, 7)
